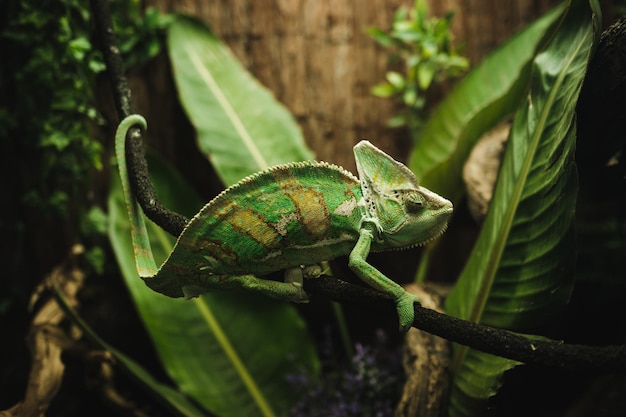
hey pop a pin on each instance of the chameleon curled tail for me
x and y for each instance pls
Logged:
(291, 217)
(185, 283)
(141, 242)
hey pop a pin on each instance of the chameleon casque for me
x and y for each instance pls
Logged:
(291, 217)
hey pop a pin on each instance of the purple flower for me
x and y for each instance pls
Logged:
(368, 386)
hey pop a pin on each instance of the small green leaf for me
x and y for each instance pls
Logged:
(410, 97)
(95, 222)
(459, 63)
(97, 66)
(57, 139)
(395, 79)
(397, 121)
(470, 388)
(96, 258)
(384, 90)
(429, 48)
(79, 47)
(380, 36)
(421, 10)
(425, 74)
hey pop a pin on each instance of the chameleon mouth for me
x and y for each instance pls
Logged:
(435, 236)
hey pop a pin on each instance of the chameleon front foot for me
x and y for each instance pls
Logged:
(406, 310)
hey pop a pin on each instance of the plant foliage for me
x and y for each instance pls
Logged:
(520, 273)
(48, 111)
(424, 46)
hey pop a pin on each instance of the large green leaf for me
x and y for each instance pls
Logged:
(490, 92)
(231, 352)
(520, 273)
(240, 125)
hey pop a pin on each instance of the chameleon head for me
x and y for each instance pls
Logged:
(405, 213)
(410, 217)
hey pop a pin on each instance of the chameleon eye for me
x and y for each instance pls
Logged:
(413, 204)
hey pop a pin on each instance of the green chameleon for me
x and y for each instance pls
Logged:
(291, 217)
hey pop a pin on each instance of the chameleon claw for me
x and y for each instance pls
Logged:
(312, 271)
(299, 273)
(294, 276)
(299, 295)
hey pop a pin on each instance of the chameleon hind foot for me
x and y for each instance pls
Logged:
(312, 271)
(297, 274)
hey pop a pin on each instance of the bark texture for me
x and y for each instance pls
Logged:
(318, 61)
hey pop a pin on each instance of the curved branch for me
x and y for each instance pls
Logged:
(143, 189)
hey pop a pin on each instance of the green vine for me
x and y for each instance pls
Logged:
(48, 110)
(48, 87)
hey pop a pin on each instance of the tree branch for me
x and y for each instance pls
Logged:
(141, 183)
(491, 340)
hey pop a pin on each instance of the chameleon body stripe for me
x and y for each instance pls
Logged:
(249, 223)
(310, 207)
(290, 215)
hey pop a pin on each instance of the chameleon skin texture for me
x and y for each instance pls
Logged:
(291, 217)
